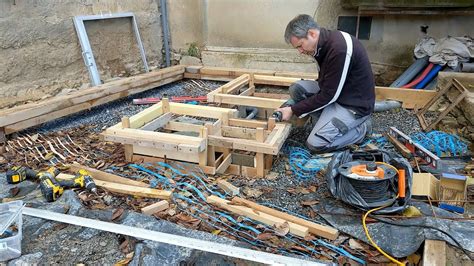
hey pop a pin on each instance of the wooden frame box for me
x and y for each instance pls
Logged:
(226, 134)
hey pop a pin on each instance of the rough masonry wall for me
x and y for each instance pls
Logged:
(40, 54)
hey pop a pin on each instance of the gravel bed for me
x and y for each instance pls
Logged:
(111, 113)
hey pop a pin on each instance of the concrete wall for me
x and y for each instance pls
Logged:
(186, 22)
(244, 33)
(40, 52)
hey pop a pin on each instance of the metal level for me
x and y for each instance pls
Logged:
(416, 149)
(86, 47)
(208, 246)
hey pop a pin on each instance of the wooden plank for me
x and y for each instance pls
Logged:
(242, 144)
(301, 75)
(201, 111)
(187, 75)
(158, 122)
(80, 107)
(169, 154)
(262, 217)
(133, 190)
(238, 122)
(248, 92)
(273, 80)
(146, 116)
(156, 207)
(225, 163)
(14, 115)
(272, 95)
(248, 101)
(150, 159)
(152, 139)
(235, 84)
(232, 72)
(104, 176)
(239, 132)
(317, 229)
(434, 253)
(180, 127)
(228, 187)
(410, 98)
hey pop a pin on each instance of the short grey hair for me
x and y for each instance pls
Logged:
(299, 27)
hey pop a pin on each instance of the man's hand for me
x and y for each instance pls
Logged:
(286, 113)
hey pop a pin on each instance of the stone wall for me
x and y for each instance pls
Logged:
(40, 52)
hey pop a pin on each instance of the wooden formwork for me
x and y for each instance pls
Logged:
(214, 144)
(25, 116)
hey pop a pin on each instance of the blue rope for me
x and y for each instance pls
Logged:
(441, 143)
(303, 164)
(241, 229)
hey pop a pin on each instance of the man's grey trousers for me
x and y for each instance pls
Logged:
(335, 126)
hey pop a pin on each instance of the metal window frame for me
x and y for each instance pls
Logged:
(87, 54)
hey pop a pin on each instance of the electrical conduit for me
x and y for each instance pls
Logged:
(420, 78)
(434, 71)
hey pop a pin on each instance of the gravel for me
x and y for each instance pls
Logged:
(111, 113)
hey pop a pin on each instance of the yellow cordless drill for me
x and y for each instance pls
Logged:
(19, 174)
(82, 179)
(50, 188)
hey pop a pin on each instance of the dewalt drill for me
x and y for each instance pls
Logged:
(82, 179)
(19, 174)
(50, 188)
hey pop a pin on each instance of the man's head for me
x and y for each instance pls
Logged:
(302, 33)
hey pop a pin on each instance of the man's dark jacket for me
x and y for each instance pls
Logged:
(358, 90)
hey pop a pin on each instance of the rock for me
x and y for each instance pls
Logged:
(354, 244)
(103, 243)
(29, 259)
(108, 199)
(190, 61)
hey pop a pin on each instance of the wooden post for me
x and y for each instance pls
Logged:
(259, 157)
(271, 123)
(203, 154)
(127, 148)
(165, 104)
(211, 152)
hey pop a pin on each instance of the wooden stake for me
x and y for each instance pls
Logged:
(262, 217)
(317, 229)
(228, 187)
(156, 207)
(104, 176)
(133, 190)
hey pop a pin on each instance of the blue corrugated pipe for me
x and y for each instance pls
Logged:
(410, 73)
(429, 77)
